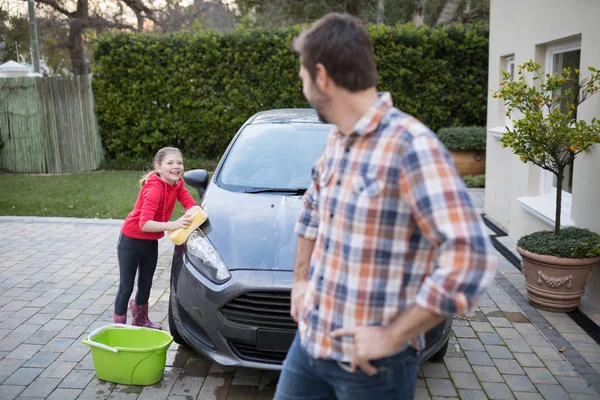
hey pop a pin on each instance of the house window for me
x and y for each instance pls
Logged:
(558, 57)
(510, 68)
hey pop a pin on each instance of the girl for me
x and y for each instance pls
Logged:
(138, 244)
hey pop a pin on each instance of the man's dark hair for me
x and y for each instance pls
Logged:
(341, 43)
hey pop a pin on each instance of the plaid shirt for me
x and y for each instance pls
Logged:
(394, 225)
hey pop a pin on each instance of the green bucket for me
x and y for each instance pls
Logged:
(129, 355)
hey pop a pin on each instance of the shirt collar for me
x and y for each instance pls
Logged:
(369, 122)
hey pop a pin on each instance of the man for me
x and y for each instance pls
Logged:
(389, 242)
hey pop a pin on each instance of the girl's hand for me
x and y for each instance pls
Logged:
(182, 222)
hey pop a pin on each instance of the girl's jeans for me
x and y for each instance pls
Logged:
(304, 377)
(134, 255)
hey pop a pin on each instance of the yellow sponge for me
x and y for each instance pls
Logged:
(198, 215)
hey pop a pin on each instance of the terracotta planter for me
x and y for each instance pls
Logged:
(555, 284)
(469, 162)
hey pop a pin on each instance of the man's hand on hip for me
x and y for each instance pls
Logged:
(298, 292)
(370, 343)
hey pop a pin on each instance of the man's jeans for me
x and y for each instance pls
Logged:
(304, 378)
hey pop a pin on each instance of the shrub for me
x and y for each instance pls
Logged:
(474, 181)
(195, 91)
(570, 243)
(463, 138)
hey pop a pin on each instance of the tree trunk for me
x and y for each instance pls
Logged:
(380, 11)
(140, 22)
(448, 13)
(559, 185)
(418, 14)
(75, 45)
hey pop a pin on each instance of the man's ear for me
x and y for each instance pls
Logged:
(322, 78)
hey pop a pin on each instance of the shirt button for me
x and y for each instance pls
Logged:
(347, 149)
(339, 182)
(331, 215)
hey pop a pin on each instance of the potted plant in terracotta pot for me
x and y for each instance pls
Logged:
(467, 147)
(557, 264)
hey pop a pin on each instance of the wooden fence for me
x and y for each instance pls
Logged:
(48, 125)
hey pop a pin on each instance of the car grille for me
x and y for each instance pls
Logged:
(249, 352)
(265, 309)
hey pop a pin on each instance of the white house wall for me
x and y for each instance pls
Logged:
(524, 29)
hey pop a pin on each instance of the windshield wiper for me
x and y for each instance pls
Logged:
(276, 190)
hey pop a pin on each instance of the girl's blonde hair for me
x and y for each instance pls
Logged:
(158, 159)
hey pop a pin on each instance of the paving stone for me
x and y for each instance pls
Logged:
(187, 386)
(470, 344)
(77, 379)
(10, 392)
(562, 368)
(41, 387)
(24, 351)
(421, 393)
(547, 353)
(490, 338)
(463, 332)
(519, 383)
(509, 367)
(552, 392)
(575, 385)
(508, 333)
(488, 374)
(162, 389)
(500, 322)
(479, 358)
(98, 390)
(518, 346)
(58, 369)
(528, 360)
(497, 391)
(457, 365)
(499, 352)
(41, 359)
(528, 396)
(482, 327)
(64, 394)
(466, 394)
(40, 337)
(465, 380)
(540, 375)
(432, 370)
(536, 340)
(9, 366)
(23, 376)
(441, 387)
(58, 345)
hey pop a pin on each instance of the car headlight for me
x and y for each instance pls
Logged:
(205, 259)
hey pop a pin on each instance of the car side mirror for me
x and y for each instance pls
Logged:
(198, 179)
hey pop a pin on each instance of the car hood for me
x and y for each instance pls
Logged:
(252, 231)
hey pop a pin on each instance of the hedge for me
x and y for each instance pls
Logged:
(474, 181)
(463, 138)
(194, 91)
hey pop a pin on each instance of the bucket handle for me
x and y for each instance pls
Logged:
(97, 331)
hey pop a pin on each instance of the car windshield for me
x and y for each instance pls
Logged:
(273, 156)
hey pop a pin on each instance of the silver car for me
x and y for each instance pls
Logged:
(231, 280)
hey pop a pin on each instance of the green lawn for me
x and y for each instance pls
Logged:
(104, 194)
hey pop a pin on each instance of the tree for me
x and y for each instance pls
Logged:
(419, 12)
(86, 18)
(197, 16)
(547, 133)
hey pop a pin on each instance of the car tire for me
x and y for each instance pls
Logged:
(172, 328)
(439, 356)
